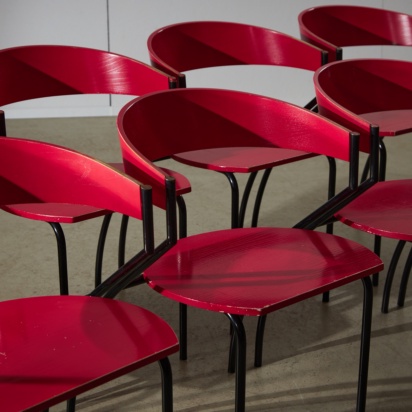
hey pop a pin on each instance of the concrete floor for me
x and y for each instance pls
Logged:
(311, 349)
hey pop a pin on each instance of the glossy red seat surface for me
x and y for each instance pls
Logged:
(182, 47)
(253, 271)
(55, 347)
(385, 210)
(363, 94)
(31, 72)
(47, 342)
(333, 27)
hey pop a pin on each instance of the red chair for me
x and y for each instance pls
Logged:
(333, 27)
(365, 95)
(336, 27)
(186, 46)
(56, 347)
(247, 271)
(31, 72)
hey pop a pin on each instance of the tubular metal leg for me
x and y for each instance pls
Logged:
(404, 281)
(259, 196)
(390, 275)
(2, 124)
(167, 385)
(240, 337)
(122, 241)
(366, 168)
(331, 187)
(100, 250)
(365, 344)
(182, 308)
(183, 331)
(259, 341)
(245, 198)
(182, 217)
(62, 258)
(382, 160)
(377, 251)
(331, 193)
(235, 199)
(71, 405)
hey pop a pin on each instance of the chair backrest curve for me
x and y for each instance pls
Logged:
(37, 172)
(161, 124)
(200, 44)
(349, 88)
(30, 72)
(332, 27)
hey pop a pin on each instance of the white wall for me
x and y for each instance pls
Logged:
(122, 26)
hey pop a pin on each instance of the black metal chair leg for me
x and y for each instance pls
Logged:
(245, 198)
(382, 160)
(331, 187)
(240, 338)
(390, 275)
(231, 367)
(259, 196)
(100, 250)
(365, 344)
(182, 217)
(331, 193)
(183, 331)
(260, 330)
(167, 385)
(235, 199)
(71, 405)
(312, 105)
(377, 250)
(62, 258)
(365, 172)
(2, 124)
(182, 308)
(404, 280)
(121, 257)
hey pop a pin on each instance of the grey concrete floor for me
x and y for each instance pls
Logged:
(311, 349)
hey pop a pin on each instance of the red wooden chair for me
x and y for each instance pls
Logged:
(247, 271)
(53, 348)
(186, 46)
(31, 72)
(334, 27)
(359, 94)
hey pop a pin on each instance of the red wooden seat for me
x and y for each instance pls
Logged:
(53, 348)
(361, 93)
(31, 72)
(253, 271)
(333, 27)
(186, 46)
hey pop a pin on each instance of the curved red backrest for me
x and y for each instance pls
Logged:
(161, 124)
(348, 88)
(200, 44)
(30, 72)
(331, 27)
(37, 172)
